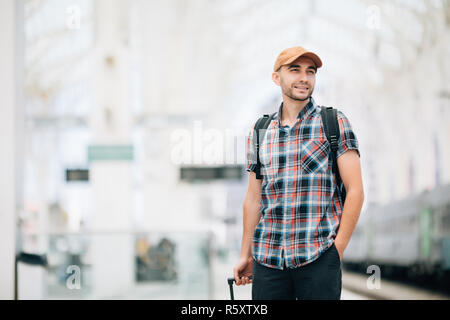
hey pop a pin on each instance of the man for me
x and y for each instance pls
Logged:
(296, 227)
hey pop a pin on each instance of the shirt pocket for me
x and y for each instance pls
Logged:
(314, 156)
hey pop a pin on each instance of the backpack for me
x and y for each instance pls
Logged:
(331, 128)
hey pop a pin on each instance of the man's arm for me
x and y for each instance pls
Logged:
(251, 218)
(350, 171)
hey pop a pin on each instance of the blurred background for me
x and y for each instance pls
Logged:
(123, 128)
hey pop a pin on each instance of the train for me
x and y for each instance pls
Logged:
(408, 237)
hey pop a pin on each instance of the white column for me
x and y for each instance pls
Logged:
(111, 180)
(11, 66)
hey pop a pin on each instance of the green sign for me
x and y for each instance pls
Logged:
(110, 152)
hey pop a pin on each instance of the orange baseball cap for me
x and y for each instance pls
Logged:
(291, 54)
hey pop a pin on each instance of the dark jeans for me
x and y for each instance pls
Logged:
(320, 279)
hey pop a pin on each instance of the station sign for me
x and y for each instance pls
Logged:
(208, 173)
(77, 175)
(110, 153)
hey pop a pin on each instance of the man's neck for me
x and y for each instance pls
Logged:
(291, 108)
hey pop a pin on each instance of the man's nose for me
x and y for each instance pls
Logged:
(303, 77)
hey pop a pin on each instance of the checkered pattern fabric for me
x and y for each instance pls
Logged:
(300, 204)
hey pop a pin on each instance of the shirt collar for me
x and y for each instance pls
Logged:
(309, 107)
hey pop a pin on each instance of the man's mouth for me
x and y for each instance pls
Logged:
(301, 87)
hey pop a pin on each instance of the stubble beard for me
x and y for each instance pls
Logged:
(293, 97)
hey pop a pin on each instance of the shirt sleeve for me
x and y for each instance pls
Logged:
(347, 138)
(251, 151)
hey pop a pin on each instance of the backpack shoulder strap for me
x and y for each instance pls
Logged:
(259, 130)
(331, 127)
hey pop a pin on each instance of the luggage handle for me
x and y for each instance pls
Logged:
(230, 283)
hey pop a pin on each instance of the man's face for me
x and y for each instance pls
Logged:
(297, 79)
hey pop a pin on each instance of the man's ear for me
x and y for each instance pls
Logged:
(276, 78)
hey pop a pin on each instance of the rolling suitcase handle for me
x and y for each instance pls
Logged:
(230, 283)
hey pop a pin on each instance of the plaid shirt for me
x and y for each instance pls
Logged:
(300, 206)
